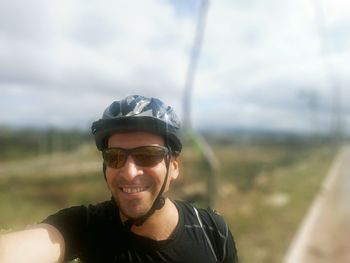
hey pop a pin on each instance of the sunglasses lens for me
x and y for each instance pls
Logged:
(142, 156)
(148, 155)
(114, 158)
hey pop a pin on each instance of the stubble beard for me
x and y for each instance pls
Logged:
(134, 209)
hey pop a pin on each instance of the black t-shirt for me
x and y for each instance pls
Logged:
(96, 234)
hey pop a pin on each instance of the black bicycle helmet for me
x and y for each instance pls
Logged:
(138, 113)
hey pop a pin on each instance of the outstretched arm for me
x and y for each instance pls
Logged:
(41, 243)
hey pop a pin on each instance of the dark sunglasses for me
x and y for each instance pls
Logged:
(147, 156)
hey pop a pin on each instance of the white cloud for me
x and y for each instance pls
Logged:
(68, 59)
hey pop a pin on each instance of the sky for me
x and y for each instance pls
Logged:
(264, 64)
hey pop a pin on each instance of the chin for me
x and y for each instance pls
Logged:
(133, 211)
(133, 214)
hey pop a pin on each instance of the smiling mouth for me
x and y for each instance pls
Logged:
(132, 190)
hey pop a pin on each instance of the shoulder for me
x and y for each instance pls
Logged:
(214, 228)
(78, 223)
(212, 218)
(208, 216)
(78, 219)
(81, 212)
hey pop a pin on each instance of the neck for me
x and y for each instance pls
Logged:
(160, 224)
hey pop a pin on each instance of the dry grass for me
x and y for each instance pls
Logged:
(264, 191)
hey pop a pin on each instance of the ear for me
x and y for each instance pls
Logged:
(174, 168)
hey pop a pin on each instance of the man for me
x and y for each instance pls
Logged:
(139, 141)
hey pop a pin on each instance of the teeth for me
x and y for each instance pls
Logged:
(133, 190)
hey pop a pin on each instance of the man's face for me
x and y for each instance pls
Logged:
(134, 187)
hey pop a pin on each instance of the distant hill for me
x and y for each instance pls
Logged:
(27, 142)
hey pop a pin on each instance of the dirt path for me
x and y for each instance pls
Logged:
(324, 236)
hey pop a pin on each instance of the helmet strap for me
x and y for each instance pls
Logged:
(104, 168)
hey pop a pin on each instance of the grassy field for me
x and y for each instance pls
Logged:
(264, 191)
(268, 206)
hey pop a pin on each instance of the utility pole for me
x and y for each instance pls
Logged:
(311, 98)
(207, 153)
(336, 121)
(192, 66)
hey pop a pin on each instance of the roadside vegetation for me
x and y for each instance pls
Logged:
(266, 184)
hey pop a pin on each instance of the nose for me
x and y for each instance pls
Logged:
(130, 170)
